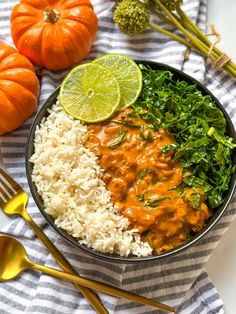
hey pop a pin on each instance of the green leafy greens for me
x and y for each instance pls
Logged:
(119, 139)
(198, 126)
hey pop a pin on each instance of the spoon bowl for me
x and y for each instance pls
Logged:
(14, 259)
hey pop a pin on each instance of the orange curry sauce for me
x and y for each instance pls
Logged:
(145, 183)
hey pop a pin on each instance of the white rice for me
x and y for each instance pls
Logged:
(68, 178)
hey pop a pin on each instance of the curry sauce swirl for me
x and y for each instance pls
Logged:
(146, 183)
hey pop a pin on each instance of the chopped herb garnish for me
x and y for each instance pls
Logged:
(141, 197)
(193, 199)
(153, 127)
(126, 123)
(150, 242)
(148, 232)
(132, 115)
(145, 133)
(144, 172)
(179, 188)
(167, 148)
(196, 200)
(119, 139)
(155, 201)
(188, 235)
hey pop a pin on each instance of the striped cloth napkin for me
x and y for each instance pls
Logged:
(179, 281)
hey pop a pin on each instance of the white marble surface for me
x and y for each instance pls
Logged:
(221, 265)
(223, 15)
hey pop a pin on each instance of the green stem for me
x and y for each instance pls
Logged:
(174, 36)
(202, 48)
(194, 40)
(189, 25)
(195, 29)
(188, 22)
(158, 14)
(50, 15)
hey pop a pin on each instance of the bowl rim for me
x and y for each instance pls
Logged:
(42, 112)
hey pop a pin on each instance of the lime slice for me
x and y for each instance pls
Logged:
(90, 93)
(128, 75)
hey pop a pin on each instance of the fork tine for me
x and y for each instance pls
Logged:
(5, 185)
(2, 199)
(4, 190)
(12, 183)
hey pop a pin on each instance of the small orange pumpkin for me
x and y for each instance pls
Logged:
(54, 34)
(19, 89)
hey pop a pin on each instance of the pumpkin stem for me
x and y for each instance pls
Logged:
(50, 15)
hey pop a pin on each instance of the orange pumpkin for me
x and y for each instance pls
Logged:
(19, 89)
(54, 34)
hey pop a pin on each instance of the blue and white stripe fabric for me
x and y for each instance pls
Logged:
(180, 281)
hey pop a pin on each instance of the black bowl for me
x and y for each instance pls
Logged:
(177, 74)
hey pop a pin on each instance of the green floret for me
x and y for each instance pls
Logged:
(131, 16)
(172, 4)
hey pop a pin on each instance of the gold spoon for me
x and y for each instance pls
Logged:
(14, 260)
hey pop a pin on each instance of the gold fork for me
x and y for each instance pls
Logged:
(13, 200)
